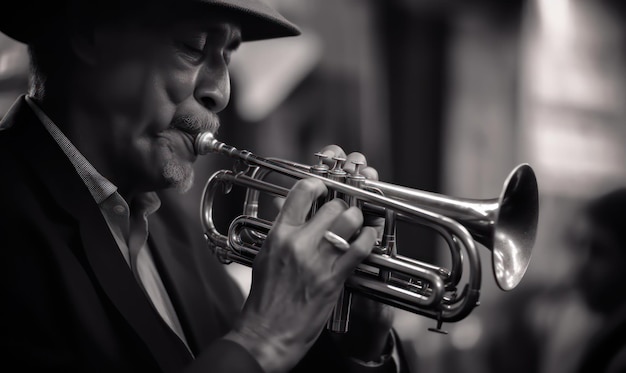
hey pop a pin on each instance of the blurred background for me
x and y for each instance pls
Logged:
(444, 96)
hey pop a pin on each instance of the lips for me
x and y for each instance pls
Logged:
(181, 143)
(189, 140)
(187, 127)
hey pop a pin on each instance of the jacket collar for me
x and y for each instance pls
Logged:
(37, 148)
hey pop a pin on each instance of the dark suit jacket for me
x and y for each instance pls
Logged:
(69, 300)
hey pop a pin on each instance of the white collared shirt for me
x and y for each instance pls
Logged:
(128, 224)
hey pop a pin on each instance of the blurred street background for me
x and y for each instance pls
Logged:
(444, 96)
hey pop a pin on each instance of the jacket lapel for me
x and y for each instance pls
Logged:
(206, 298)
(35, 145)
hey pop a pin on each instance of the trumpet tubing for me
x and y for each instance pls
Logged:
(505, 225)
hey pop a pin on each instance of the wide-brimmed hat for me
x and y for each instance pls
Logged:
(26, 20)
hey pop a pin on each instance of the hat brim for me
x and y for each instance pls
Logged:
(258, 21)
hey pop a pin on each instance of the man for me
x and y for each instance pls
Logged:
(600, 280)
(580, 325)
(93, 279)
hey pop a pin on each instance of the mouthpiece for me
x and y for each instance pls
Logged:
(206, 143)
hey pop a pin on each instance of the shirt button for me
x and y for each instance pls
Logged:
(119, 209)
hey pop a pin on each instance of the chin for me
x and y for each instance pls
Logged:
(178, 175)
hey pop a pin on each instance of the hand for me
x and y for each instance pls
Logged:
(370, 321)
(335, 150)
(297, 276)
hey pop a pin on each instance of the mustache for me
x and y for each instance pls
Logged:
(195, 124)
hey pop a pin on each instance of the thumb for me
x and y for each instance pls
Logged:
(279, 202)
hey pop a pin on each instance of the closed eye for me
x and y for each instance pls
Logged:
(194, 53)
(192, 49)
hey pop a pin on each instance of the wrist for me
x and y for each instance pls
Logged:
(266, 354)
(274, 353)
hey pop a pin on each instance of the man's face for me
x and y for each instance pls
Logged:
(154, 88)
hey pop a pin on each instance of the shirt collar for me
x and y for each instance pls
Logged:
(99, 186)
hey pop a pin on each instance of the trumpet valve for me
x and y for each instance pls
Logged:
(320, 168)
(337, 170)
(357, 176)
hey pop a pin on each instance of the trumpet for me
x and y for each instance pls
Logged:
(505, 225)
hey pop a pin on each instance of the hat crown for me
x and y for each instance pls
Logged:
(258, 21)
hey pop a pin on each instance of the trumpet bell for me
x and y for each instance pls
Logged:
(506, 225)
(514, 227)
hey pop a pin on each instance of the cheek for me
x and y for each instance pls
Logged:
(142, 97)
(146, 91)
(162, 93)
(128, 89)
(179, 84)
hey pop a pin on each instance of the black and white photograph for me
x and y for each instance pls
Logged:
(300, 186)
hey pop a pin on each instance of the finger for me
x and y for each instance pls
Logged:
(325, 216)
(352, 159)
(278, 202)
(332, 151)
(375, 221)
(370, 173)
(355, 158)
(344, 226)
(360, 248)
(299, 200)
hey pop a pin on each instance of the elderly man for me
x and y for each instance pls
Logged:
(92, 279)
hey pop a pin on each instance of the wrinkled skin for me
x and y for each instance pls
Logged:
(137, 97)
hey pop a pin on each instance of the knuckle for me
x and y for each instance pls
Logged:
(282, 239)
(337, 206)
(292, 243)
(274, 239)
(304, 185)
(354, 216)
(370, 173)
(309, 186)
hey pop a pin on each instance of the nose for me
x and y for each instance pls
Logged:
(213, 87)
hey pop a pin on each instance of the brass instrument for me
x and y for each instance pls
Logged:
(506, 225)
